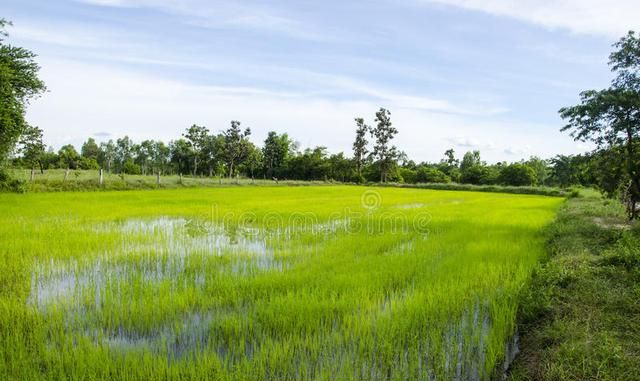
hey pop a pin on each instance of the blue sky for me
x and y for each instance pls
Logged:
(467, 74)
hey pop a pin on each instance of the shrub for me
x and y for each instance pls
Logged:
(431, 175)
(517, 175)
(408, 175)
(9, 184)
(479, 175)
(131, 168)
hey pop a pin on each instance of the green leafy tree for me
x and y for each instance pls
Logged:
(124, 151)
(213, 151)
(197, 139)
(19, 83)
(340, 167)
(160, 157)
(408, 175)
(90, 149)
(360, 150)
(384, 153)
(540, 167)
(69, 157)
(469, 160)
(181, 153)
(569, 170)
(275, 152)
(253, 161)
(32, 147)
(517, 174)
(236, 146)
(611, 117)
(312, 164)
(107, 155)
(426, 174)
(472, 169)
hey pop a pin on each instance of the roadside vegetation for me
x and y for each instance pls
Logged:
(580, 316)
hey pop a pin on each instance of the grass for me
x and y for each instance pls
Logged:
(580, 318)
(53, 180)
(540, 190)
(86, 180)
(264, 283)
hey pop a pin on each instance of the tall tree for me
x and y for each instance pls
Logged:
(68, 156)
(181, 155)
(144, 155)
(124, 151)
(160, 157)
(107, 155)
(197, 138)
(611, 117)
(275, 152)
(235, 146)
(384, 152)
(212, 153)
(90, 149)
(360, 150)
(19, 83)
(32, 147)
(253, 160)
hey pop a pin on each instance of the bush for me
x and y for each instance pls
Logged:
(517, 175)
(431, 175)
(480, 175)
(626, 252)
(88, 163)
(131, 168)
(9, 184)
(408, 175)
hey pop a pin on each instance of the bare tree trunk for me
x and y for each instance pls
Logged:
(101, 177)
(66, 174)
(32, 173)
(158, 178)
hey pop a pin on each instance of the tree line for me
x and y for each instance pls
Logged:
(230, 153)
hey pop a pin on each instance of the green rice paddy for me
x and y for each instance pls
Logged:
(264, 283)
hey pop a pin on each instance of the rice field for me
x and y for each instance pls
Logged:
(264, 283)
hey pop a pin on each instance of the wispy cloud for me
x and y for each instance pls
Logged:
(609, 18)
(227, 14)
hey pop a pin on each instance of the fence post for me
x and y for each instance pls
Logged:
(66, 174)
(32, 174)
(101, 176)
(158, 178)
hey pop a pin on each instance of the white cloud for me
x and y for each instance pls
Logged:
(227, 14)
(612, 18)
(87, 99)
